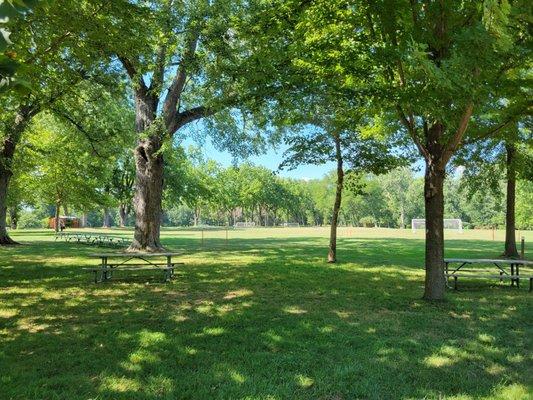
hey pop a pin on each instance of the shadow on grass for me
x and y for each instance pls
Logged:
(260, 319)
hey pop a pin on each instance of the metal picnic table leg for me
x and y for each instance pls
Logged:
(518, 276)
(169, 266)
(512, 274)
(104, 269)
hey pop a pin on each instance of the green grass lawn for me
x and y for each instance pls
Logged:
(261, 316)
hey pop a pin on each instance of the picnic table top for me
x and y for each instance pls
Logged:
(134, 255)
(488, 260)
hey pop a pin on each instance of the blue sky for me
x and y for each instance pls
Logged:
(270, 160)
(273, 157)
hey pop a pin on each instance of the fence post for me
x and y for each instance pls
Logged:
(522, 247)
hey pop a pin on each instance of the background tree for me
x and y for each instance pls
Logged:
(181, 59)
(66, 172)
(430, 63)
(48, 42)
(341, 136)
(495, 164)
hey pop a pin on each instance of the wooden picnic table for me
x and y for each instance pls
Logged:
(110, 262)
(513, 275)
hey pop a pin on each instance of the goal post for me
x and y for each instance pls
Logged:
(449, 224)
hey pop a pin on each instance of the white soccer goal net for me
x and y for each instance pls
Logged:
(244, 224)
(449, 223)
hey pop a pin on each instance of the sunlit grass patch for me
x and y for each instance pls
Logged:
(261, 317)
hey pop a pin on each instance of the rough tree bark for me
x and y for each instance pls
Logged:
(148, 195)
(434, 286)
(510, 225)
(153, 130)
(332, 251)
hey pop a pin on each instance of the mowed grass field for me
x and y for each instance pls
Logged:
(261, 315)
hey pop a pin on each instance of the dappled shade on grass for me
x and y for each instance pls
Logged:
(259, 318)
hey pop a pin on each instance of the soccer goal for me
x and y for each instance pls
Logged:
(290, 225)
(449, 223)
(244, 225)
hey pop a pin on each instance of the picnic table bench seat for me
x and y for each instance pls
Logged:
(106, 273)
(106, 268)
(514, 274)
(515, 278)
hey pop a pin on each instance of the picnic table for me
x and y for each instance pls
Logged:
(92, 238)
(111, 262)
(507, 268)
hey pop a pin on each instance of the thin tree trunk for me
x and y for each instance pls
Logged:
(107, 219)
(332, 252)
(5, 176)
(434, 210)
(84, 220)
(56, 217)
(510, 226)
(122, 214)
(7, 152)
(14, 216)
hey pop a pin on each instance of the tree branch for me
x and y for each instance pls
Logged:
(78, 126)
(159, 73)
(453, 144)
(192, 114)
(412, 132)
(178, 83)
(133, 74)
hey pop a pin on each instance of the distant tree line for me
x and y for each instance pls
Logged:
(199, 191)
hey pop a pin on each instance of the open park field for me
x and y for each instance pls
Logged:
(261, 315)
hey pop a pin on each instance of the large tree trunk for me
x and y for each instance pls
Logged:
(434, 208)
(148, 195)
(122, 214)
(148, 175)
(510, 226)
(332, 251)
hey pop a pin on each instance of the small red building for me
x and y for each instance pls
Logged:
(67, 222)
